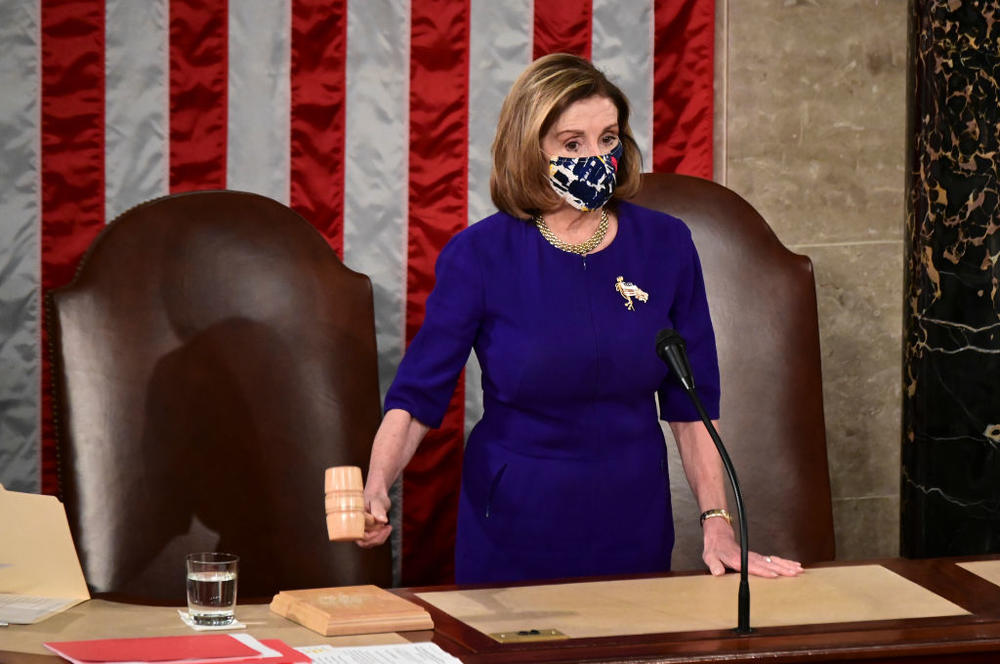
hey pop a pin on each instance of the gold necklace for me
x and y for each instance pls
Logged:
(582, 248)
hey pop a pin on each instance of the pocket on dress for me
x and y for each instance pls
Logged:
(494, 484)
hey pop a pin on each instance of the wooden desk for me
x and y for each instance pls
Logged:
(972, 637)
(97, 619)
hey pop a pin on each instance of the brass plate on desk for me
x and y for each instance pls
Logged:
(529, 635)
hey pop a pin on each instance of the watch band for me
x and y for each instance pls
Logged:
(717, 513)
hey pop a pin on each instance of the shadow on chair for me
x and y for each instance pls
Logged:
(763, 303)
(212, 357)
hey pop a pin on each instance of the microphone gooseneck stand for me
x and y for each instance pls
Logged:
(671, 349)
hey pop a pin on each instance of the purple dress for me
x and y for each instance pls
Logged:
(565, 474)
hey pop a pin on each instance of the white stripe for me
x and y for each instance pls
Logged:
(500, 43)
(376, 176)
(622, 48)
(376, 160)
(20, 192)
(257, 154)
(500, 39)
(137, 90)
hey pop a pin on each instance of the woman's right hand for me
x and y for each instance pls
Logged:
(377, 526)
(395, 442)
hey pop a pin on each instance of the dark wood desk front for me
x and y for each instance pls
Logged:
(972, 637)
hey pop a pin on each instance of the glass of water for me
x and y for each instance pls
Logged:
(211, 587)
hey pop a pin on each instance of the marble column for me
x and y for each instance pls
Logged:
(951, 321)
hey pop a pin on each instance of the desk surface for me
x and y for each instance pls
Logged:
(99, 619)
(970, 636)
(625, 607)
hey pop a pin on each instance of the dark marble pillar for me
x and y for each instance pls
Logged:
(951, 336)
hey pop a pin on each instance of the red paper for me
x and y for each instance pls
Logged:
(156, 649)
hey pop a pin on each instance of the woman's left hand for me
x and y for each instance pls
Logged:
(722, 551)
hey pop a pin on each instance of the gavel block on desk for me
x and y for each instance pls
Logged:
(345, 504)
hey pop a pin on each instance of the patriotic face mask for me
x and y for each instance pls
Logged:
(586, 183)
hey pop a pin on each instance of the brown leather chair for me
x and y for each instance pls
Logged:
(212, 357)
(763, 303)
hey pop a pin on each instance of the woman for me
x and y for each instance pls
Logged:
(561, 295)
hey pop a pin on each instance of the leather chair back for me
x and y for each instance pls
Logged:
(763, 303)
(212, 357)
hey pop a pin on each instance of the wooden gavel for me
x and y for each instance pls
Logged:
(345, 504)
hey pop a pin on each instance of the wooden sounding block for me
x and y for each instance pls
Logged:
(345, 504)
(350, 610)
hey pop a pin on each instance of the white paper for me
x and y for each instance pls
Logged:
(407, 653)
(24, 610)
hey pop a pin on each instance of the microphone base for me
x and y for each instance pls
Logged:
(743, 631)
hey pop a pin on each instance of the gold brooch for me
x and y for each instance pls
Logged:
(629, 290)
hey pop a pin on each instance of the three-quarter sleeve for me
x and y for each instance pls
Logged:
(691, 319)
(427, 375)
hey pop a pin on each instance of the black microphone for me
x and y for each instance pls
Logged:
(672, 350)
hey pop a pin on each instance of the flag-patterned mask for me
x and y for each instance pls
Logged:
(586, 183)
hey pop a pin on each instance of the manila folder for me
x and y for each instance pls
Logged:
(40, 573)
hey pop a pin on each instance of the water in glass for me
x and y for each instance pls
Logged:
(211, 587)
(211, 597)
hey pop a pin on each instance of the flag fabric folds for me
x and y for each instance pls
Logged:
(371, 118)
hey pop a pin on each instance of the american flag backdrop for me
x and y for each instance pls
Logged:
(371, 118)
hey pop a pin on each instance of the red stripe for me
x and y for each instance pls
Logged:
(72, 162)
(199, 63)
(439, 92)
(319, 47)
(563, 26)
(683, 100)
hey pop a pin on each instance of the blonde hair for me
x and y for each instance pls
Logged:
(519, 182)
